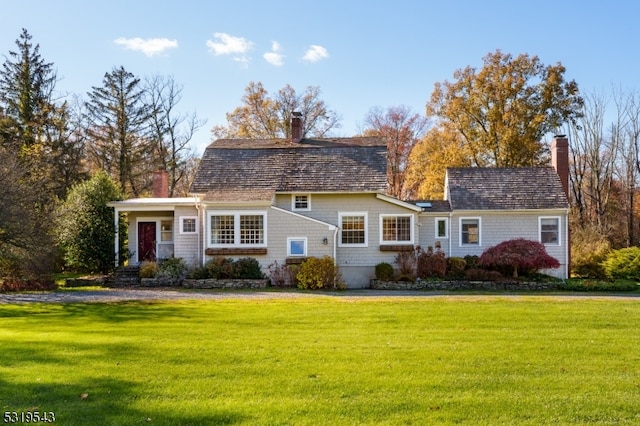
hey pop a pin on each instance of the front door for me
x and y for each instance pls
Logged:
(146, 241)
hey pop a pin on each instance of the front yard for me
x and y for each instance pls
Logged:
(325, 360)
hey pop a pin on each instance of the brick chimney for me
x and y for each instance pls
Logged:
(160, 184)
(560, 160)
(296, 127)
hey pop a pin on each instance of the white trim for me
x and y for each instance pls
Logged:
(559, 219)
(236, 223)
(437, 228)
(411, 234)
(181, 220)
(366, 228)
(477, 218)
(293, 202)
(397, 202)
(304, 245)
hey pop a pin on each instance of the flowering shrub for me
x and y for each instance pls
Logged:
(518, 255)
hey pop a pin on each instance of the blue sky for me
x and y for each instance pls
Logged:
(360, 53)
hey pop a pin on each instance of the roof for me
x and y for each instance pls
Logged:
(515, 188)
(433, 206)
(356, 164)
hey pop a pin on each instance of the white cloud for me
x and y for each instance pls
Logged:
(315, 53)
(274, 57)
(149, 46)
(225, 44)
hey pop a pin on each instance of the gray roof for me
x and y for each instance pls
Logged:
(517, 188)
(313, 165)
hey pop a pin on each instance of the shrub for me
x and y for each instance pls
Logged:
(173, 268)
(148, 269)
(431, 263)
(14, 285)
(518, 254)
(319, 274)
(471, 261)
(581, 284)
(384, 271)
(456, 267)
(482, 275)
(283, 275)
(623, 263)
(589, 248)
(220, 268)
(406, 262)
(247, 268)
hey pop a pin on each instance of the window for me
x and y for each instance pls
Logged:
(188, 225)
(166, 230)
(300, 202)
(237, 229)
(353, 229)
(549, 230)
(297, 246)
(470, 231)
(441, 227)
(396, 229)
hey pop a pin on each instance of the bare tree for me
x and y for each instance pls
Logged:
(401, 129)
(172, 131)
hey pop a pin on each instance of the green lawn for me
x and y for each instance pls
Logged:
(480, 360)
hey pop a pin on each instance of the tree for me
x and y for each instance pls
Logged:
(85, 225)
(265, 117)
(518, 254)
(117, 128)
(401, 129)
(441, 148)
(26, 87)
(172, 131)
(504, 110)
(26, 249)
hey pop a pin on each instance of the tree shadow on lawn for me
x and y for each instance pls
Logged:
(103, 401)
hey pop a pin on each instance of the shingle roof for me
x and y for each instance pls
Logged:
(433, 206)
(519, 188)
(339, 164)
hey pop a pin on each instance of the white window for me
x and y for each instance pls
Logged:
(297, 246)
(188, 225)
(166, 230)
(549, 229)
(442, 230)
(237, 229)
(396, 229)
(301, 202)
(470, 231)
(353, 229)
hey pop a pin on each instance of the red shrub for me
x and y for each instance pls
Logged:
(519, 254)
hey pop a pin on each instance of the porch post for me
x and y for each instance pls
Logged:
(116, 223)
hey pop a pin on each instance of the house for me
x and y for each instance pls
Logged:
(285, 200)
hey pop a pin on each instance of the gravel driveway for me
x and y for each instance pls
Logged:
(131, 294)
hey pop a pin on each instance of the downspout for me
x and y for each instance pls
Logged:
(201, 231)
(335, 245)
(449, 229)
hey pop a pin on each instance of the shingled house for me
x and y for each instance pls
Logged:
(285, 200)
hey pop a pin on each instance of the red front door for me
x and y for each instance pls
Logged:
(146, 241)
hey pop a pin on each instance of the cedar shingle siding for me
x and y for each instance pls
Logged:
(335, 165)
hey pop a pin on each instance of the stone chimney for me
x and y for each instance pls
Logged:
(296, 127)
(160, 184)
(560, 160)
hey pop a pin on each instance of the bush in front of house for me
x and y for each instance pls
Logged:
(384, 271)
(220, 268)
(518, 255)
(431, 263)
(591, 284)
(283, 275)
(174, 268)
(623, 264)
(320, 273)
(589, 248)
(148, 270)
(456, 267)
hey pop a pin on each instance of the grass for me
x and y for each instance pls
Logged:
(481, 360)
